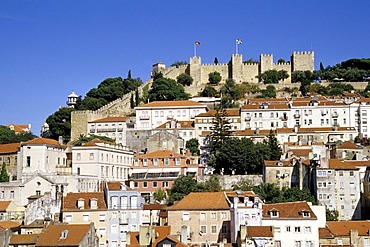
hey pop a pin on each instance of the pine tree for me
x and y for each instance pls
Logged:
(221, 129)
(132, 103)
(4, 177)
(275, 149)
(215, 61)
(137, 98)
(129, 74)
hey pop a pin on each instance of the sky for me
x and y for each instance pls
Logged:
(50, 48)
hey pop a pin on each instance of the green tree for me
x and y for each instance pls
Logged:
(269, 92)
(215, 61)
(250, 60)
(280, 60)
(267, 192)
(212, 184)
(9, 136)
(184, 79)
(243, 184)
(273, 76)
(82, 139)
(59, 124)
(193, 146)
(321, 67)
(137, 98)
(4, 177)
(159, 195)
(274, 147)
(132, 102)
(183, 186)
(208, 91)
(214, 78)
(331, 215)
(129, 75)
(179, 63)
(167, 89)
(230, 90)
(221, 129)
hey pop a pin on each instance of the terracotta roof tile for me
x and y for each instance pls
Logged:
(202, 201)
(159, 154)
(212, 113)
(154, 206)
(9, 148)
(94, 142)
(117, 186)
(24, 239)
(348, 145)
(343, 228)
(301, 152)
(9, 224)
(325, 233)
(20, 128)
(41, 141)
(292, 210)
(262, 100)
(259, 231)
(183, 125)
(51, 235)
(161, 233)
(347, 164)
(109, 120)
(276, 163)
(269, 106)
(4, 205)
(70, 201)
(174, 103)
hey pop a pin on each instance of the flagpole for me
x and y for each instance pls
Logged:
(195, 49)
(236, 47)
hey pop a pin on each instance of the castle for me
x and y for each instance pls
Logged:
(236, 69)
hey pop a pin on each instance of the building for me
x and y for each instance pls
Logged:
(294, 223)
(9, 156)
(112, 127)
(201, 218)
(9, 210)
(345, 233)
(98, 161)
(20, 128)
(159, 169)
(156, 113)
(183, 129)
(125, 209)
(72, 99)
(87, 208)
(76, 235)
(256, 236)
(347, 150)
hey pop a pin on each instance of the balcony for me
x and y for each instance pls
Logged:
(102, 130)
(247, 118)
(335, 114)
(144, 117)
(297, 115)
(284, 117)
(169, 117)
(92, 130)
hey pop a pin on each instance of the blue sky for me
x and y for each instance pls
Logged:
(49, 48)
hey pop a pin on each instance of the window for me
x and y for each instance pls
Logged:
(223, 215)
(113, 228)
(366, 242)
(155, 184)
(166, 161)
(2, 194)
(136, 184)
(102, 231)
(177, 160)
(287, 229)
(351, 173)
(101, 217)
(224, 229)
(277, 243)
(309, 243)
(213, 229)
(203, 229)
(185, 216)
(12, 194)
(85, 217)
(297, 229)
(155, 161)
(145, 162)
(68, 218)
(307, 229)
(202, 216)
(28, 161)
(274, 213)
(145, 184)
(341, 173)
(91, 157)
(213, 216)
(321, 173)
(165, 184)
(297, 243)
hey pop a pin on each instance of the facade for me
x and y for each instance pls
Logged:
(256, 236)
(112, 127)
(183, 129)
(154, 114)
(20, 128)
(345, 233)
(294, 223)
(11, 211)
(87, 208)
(348, 150)
(201, 218)
(97, 161)
(40, 155)
(125, 208)
(9, 156)
(159, 169)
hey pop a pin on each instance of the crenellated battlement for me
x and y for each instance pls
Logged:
(303, 52)
(266, 55)
(213, 64)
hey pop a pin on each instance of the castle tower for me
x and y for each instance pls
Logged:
(72, 100)
(157, 68)
(237, 68)
(196, 70)
(266, 62)
(302, 61)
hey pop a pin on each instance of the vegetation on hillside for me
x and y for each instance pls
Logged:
(9, 136)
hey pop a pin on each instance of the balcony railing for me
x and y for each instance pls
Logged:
(106, 130)
(144, 117)
(335, 114)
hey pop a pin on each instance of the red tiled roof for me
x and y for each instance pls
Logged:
(275, 163)
(292, 210)
(269, 106)
(300, 152)
(9, 224)
(343, 228)
(259, 231)
(51, 235)
(93, 143)
(347, 165)
(212, 113)
(24, 239)
(325, 233)
(202, 201)
(4, 205)
(117, 186)
(70, 200)
(41, 141)
(20, 128)
(348, 145)
(174, 103)
(183, 125)
(160, 154)
(9, 148)
(109, 120)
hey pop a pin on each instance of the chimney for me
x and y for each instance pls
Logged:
(60, 140)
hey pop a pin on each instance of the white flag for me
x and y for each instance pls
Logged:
(239, 41)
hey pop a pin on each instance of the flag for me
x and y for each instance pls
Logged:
(197, 43)
(239, 41)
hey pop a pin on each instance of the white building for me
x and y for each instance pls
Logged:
(99, 161)
(154, 114)
(112, 127)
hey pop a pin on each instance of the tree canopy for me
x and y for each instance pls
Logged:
(269, 92)
(9, 136)
(273, 76)
(59, 124)
(167, 89)
(193, 146)
(179, 63)
(209, 91)
(214, 78)
(4, 177)
(184, 79)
